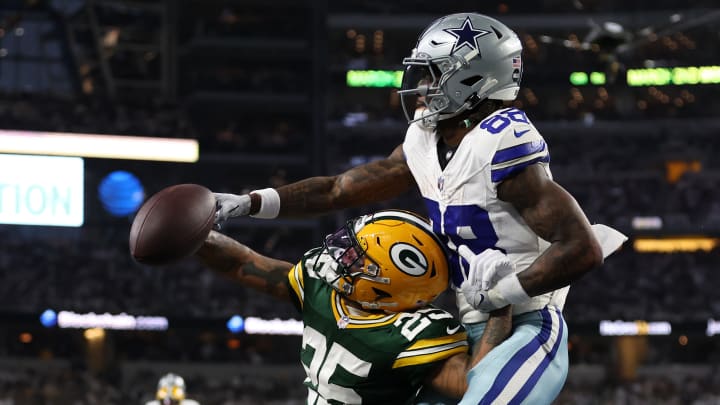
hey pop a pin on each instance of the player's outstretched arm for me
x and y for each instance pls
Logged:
(451, 377)
(554, 215)
(372, 182)
(232, 259)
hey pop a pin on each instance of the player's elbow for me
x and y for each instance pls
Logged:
(590, 253)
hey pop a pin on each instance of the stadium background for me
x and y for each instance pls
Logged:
(264, 89)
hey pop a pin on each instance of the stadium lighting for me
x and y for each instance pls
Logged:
(578, 78)
(597, 78)
(374, 78)
(678, 244)
(713, 327)
(665, 76)
(254, 325)
(99, 146)
(123, 321)
(48, 318)
(235, 324)
(634, 328)
(583, 78)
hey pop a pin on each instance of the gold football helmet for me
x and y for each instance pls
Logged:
(389, 260)
(170, 389)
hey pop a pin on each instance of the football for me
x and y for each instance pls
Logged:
(172, 224)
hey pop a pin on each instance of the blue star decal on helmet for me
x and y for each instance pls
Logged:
(466, 35)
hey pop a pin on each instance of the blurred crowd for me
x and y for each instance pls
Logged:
(26, 112)
(97, 274)
(651, 286)
(29, 112)
(648, 390)
(69, 385)
(65, 385)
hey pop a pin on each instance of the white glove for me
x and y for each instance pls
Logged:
(486, 269)
(489, 266)
(231, 206)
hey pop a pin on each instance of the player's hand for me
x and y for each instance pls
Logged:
(486, 269)
(490, 265)
(230, 206)
(482, 300)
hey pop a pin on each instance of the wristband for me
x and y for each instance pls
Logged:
(269, 203)
(511, 290)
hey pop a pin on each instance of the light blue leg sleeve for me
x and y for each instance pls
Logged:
(530, 367)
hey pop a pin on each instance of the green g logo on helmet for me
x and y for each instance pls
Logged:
(408, 259)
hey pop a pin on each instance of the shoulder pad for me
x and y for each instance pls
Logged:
(519, 144)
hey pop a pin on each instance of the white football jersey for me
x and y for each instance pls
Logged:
(462, 199)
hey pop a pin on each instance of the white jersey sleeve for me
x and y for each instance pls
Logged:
(518, 144)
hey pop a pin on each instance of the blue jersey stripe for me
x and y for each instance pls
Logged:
(517, 360)
(535, 376)
(449, 225)
(499, 175)
(518, 151)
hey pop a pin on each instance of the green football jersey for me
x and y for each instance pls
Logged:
(356, 357)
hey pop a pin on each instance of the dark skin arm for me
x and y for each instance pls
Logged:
(554, 215)
(451, 377)
(372, 182)
(238, 262)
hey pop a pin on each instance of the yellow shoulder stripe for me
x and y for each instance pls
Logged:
(423, 343)
(430, 357)
(295, 277)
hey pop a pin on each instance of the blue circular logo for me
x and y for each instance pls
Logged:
(235, 324)
(48, 318)
(121, 193)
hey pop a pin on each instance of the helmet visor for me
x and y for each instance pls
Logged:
(416, 84)
(343, 246)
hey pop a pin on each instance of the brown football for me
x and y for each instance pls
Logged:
(172, 224)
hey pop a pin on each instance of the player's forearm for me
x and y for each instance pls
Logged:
(357, 187)
(497, 329)
(234, 260)
(313, 196)
(369, 183)
(307, 197)
(561, 264)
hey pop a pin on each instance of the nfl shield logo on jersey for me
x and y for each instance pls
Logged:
(441, 183)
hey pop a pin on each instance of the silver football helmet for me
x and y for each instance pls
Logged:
(459, 61)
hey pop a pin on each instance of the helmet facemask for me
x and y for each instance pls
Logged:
(390, 260)
(423, 97)
(351, 260)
